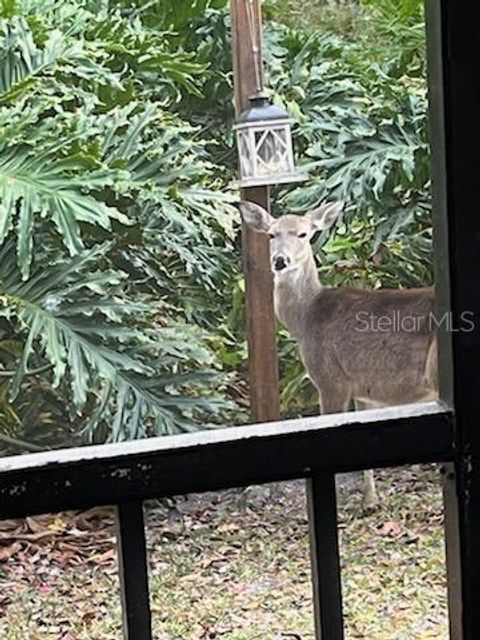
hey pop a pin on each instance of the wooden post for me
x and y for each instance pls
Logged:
(260, 317)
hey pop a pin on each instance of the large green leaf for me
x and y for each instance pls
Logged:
(100, 344)
(23, 63)
(33, 184)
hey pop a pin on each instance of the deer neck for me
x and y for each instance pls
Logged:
(294, 291)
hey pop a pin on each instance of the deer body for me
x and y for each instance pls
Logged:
(374, 348)
(346, 347)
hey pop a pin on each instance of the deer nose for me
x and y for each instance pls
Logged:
(280, 263)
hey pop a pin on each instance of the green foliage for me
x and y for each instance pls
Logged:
(176, 16)
(105, 346)
(316, 15)
(115, 229)
(363, 128)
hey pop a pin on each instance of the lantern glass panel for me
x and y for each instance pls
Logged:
(246, 152)
(272, 151)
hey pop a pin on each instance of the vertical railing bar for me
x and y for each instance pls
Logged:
(452, 548)
(133, 570)
(436, 42)
(324, 551)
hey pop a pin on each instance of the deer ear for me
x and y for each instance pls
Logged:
(255, 216)
(325, 215)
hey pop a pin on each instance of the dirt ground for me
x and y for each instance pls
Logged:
(234, 566)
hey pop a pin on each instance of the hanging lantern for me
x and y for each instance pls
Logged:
(264, 141)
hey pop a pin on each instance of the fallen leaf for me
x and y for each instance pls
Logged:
(104, 558)
(391, 528)
(10, 551)
(228, 527)
(10, 525)
(45, 588)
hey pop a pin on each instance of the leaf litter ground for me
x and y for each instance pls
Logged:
(234, 566)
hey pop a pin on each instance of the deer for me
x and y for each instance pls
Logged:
(370, 348)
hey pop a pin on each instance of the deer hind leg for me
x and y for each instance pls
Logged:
(370, 496)
(431, 368)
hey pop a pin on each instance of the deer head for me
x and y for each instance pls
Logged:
(290, 235)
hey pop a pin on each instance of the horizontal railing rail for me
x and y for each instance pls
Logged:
(223, 458)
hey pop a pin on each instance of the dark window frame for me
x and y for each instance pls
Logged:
(316, 448)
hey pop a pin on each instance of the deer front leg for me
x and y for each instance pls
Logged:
(334, 399)
(370, 496)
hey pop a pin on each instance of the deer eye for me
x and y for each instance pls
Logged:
(303, 234)
(271, 236)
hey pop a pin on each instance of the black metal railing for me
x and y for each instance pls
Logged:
(313, 448)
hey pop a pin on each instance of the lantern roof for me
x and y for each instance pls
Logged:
(261, 109)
